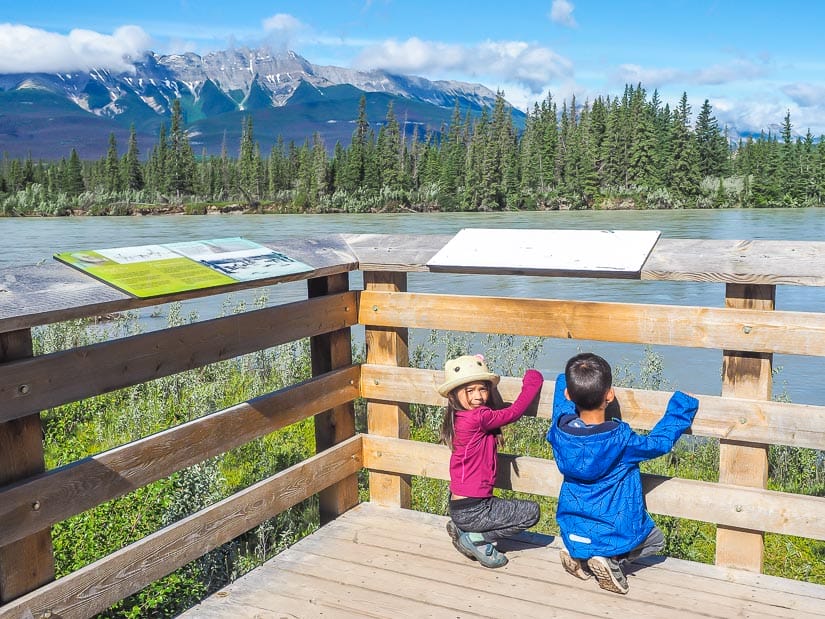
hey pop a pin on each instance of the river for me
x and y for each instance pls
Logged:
(32, 240)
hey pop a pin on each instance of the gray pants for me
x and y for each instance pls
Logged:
(652, 545)
(493, 517)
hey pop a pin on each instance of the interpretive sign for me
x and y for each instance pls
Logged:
(589, 253)
(153, 270)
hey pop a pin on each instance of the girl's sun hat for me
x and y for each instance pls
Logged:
(463, 370)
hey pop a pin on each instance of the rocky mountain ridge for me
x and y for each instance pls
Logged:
(42, 112)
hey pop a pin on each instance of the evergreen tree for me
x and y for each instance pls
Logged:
(684, 170)
(711, 146)
(390, 151)
(249, 180)
(790, 173)
(14, 175)
(642, 160)
(132, 172)
(112, 179)
(372, 176)
(355, 172)
(766, 189)
(453, 153)
(181, 159)
(613, 168)
(73, 183)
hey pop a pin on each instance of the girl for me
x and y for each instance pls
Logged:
(471, 428)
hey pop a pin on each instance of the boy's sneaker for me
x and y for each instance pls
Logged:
(484, 553)
(576, 567)
(456, 533)
(609, 574)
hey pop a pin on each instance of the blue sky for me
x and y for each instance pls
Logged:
(754, 61)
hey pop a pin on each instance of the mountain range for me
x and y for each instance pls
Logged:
(46, 115)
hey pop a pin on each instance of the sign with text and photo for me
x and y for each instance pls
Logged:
(154, 270)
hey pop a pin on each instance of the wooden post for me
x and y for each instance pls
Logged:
(330, 351)
(388, 346)
(744, 375)
(28, 563)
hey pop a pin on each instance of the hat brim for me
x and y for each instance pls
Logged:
(445, 388)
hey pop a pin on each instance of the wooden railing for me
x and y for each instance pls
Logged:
(748, 331)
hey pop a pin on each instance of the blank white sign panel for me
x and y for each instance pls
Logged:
(621, 251)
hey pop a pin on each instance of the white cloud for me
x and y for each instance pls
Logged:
(737, 70)
(634, 74)
(806, 95)
(283, 30)
(31, 50)
(527, 64)
(561, 12)
(723, 73)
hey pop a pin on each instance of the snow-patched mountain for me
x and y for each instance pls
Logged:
(44, 113)
(280, 74)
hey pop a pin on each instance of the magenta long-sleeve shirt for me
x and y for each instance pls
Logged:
(473, 462)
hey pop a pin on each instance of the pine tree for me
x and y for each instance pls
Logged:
(613, 168)
(73, 183)
(132, 172)
(249, 180)
(181, 159)
(641, 164)
(711, 146)
(790, 181)
(390, 150)
(684, 170)
(112, 178)
(354, 175)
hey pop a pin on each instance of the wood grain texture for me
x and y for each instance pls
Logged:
(750, 375)
(801, 333)
(69, 490)
(50, 380)
(388, 562)
(28, 562)
(329, 351)
(391, 416)
(800, 263)
(734, 506)
(395, 252)
(46, 293)
(96, 587)
(736, 419)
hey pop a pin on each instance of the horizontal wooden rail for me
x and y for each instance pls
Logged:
(97, 586)
(753, 421)
(795, 333)
(734, 506)
(31, 385)
(53, 496)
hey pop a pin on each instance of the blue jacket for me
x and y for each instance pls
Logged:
(601, 508)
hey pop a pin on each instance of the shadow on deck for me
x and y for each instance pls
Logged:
(388, 562)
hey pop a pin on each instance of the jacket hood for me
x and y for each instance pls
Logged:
(588, 458)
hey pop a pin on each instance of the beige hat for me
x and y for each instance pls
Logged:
(463, 370)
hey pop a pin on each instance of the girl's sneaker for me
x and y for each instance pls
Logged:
(576, 567)
(455, 533)
(483, 552)
(609, 574)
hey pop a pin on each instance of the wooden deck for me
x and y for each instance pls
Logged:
(387, 562)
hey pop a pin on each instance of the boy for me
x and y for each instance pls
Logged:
(601, 511)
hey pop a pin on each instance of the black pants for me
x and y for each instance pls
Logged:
(493, 517)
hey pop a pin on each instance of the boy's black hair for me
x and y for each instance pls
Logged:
(588, 379)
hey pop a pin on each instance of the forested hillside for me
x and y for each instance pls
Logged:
(631, 151)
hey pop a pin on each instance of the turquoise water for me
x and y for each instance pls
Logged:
(32, 240)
